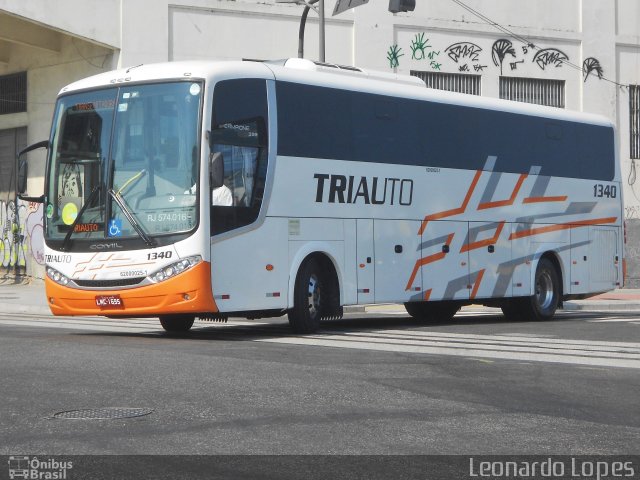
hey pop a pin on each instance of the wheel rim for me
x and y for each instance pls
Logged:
(544, 290)
(314, 296)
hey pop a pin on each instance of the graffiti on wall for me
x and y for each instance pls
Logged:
(592, 65)
(631, 212)
(550, 57)
(393, 56)
(421, 50)
(21, 234)
(499, 51)
(467, 56)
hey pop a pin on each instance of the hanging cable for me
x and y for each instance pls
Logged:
(522, 39)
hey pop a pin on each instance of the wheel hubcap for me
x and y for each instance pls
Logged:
(314, 296)
(544, 290)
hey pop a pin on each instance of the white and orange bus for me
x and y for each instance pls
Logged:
(212, 189)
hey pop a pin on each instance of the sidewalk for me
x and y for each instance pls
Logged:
(23, 296)
(28, 296)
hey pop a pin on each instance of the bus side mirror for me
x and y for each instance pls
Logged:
(23, 173)
(216, 170)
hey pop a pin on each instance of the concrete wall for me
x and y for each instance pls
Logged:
(48, 70)
(438, 36)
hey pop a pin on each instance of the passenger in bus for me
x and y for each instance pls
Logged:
(221, 197)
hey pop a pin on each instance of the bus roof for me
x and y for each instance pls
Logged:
(322, 74)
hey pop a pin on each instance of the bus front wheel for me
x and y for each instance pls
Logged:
(309, 298)
(177, 323)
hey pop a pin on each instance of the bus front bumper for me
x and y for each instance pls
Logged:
(187, 292)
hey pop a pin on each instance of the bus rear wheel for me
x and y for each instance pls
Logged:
(432, 311)
(177, 323)
(310, 296)
(542, 305)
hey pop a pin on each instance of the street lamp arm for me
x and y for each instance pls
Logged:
(310, 4)
(303, 23)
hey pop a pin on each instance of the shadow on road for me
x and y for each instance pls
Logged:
(355, 322)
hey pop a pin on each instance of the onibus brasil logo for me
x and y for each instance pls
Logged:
(22, 466)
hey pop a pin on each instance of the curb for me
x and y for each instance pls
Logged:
(598, 306)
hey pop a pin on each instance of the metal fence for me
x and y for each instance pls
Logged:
(452, 82)
(533, 90)
(13, 93)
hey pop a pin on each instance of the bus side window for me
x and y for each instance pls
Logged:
(240, 106)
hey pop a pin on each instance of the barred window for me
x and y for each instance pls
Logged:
(634, 120)
(452, 82)
(533, 90)
(13, 93)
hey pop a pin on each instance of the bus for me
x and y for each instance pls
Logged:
(255, 189)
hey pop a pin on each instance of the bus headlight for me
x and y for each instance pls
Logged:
(175, 268)
(56, 276)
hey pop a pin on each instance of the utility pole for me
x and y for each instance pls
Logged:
(341, 6)
(308, 5)
(395, 6)
(321, 47)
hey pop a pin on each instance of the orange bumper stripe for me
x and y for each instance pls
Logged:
(165, 298)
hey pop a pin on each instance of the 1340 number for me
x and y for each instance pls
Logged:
(609, 191)
(157, 255)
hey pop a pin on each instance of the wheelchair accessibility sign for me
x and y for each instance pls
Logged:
(115, 227)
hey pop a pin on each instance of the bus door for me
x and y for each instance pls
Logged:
(365, 261)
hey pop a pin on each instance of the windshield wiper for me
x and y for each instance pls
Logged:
(72, 227)
(130, 217)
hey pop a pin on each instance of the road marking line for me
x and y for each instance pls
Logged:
(459, 352)
(479, 344)
(518, 339)
(618, 319)
(99, 324)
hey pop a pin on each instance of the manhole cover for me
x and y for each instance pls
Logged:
(109, 413)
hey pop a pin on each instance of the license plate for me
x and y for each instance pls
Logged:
(109, 302)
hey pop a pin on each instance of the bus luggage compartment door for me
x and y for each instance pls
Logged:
(397, 246)
(365, 261)
(444, 264)
(603, 258)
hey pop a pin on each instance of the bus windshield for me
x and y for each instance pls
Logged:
(124, 163)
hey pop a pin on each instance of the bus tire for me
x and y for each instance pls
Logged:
(432, 311)
(177, 323)
(308, 298)
(542, 305)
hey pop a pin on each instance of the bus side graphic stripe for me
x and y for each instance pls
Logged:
(486, 242)
(426, 260)
(476, 285)
(562, 226)
(509, 201)
(561, 198)
(455, 211)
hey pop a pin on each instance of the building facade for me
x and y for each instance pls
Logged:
(576, 54)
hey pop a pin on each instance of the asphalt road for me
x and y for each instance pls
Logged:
(370, 384)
